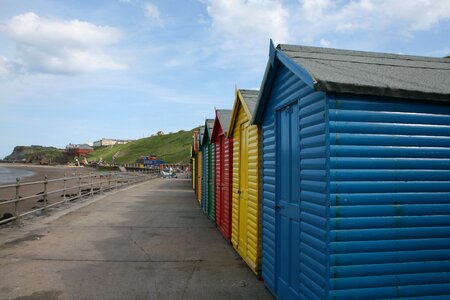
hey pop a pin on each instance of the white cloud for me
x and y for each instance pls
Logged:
(240, 30)
(325, 43)
(419, 14)
(8, 68)
(247, 20)
(5, 68)
(60, 46)
(152, 12)
(321, 17)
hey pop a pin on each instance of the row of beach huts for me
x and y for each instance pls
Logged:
(333, 180)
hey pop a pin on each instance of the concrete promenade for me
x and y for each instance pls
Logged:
(150, 241)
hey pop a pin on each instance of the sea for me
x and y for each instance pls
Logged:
(9, 175)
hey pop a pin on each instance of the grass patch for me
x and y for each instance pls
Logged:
(172, 148)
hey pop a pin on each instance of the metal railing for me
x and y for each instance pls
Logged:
(68, 188)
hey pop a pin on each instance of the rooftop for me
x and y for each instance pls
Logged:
(250, 98)
(224, 116)
(371, 73)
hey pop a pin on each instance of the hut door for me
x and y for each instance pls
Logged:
(288, 203)
(211, 195)
(222, 179)
(199, 177)
(205, 181)
(243, 183)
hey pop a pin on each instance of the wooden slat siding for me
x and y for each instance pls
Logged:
(205, 180)
(313, 194)
(235, 186)
(389, 198)
(312, 130)
(253, 209)
(193, 173)
(240, 119)
(228, 169)
(217, 178)
(253, 255)
(199, 176)
(268, 200)
(212, 199)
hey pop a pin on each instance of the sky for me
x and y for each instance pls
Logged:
(76, 71)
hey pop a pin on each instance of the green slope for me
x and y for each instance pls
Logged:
(39, 154)
(172, 148)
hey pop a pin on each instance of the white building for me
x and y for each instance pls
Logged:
(110, 142)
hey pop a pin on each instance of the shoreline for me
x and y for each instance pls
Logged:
(40, 172)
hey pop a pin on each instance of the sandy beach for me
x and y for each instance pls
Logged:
(38, 173)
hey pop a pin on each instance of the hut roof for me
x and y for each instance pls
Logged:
(373, 73)
(209, 123)
(250, 98)
(224, 116)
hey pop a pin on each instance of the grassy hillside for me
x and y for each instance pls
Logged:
(38, 154)
(173, 148)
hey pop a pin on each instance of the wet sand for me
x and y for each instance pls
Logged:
(52, 172)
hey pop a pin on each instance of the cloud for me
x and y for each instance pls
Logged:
(60, 46)
(322, 17)
(419, 15)
(239, 31)
(7, 68)
(325, 43)
(152, 12)
(247, 20)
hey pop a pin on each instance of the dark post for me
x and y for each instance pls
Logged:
(64, 188)
(45, 192)
(92, 184)
(16, 203)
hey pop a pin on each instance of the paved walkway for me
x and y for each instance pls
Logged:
(150, 241)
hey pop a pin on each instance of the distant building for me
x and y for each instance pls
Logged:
(150, 161)
(78, 150)
(110, 142)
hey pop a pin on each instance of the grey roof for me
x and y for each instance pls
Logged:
(251, 98)
(370, 73)
(201, 134)
(209, 124)
(224, 116)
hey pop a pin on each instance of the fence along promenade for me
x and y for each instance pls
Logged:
(69, 188)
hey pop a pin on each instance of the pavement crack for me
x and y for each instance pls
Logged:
(99, 260)
(130, 237)
(189, 278)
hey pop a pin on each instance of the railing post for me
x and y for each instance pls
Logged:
(109, 180)
(45, 192)
(115, 181)
(16, 202)
(92, 184)
(64, 188)
(79, 185)
(100, 188)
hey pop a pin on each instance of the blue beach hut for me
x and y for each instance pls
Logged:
(355, 174)
(208, 201)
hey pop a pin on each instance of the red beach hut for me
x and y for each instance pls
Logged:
(223, 169)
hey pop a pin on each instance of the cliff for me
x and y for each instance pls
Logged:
(38, 154)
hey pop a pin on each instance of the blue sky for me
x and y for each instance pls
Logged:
(76, 71)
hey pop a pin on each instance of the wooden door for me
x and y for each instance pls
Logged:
(288, 203)
(243, 186)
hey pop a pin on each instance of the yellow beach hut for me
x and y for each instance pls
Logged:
(246, 203)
